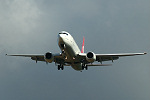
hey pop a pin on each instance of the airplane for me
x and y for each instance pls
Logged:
(72, 56)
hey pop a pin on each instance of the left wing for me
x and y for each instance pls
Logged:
(107, 57)
(120, 54)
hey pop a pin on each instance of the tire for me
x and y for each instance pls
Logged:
(86, 67)
(62, 67)
(58, 67)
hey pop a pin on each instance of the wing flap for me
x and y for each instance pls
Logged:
(98, 64)
(38, 58)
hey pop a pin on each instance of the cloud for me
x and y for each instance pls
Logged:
(19, 20)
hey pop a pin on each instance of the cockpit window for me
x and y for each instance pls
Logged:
(64, 33)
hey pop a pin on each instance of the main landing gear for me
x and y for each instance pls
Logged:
(60, 67)
(84, 67)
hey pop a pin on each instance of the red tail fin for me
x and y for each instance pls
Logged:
(82, 51)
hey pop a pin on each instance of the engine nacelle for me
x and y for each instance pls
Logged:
(49, 57)
(90, 57)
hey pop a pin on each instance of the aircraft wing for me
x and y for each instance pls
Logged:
(120, 55)
(99, 57)
(98, 64)
(107, 57)
(37, 57)
(27, 55)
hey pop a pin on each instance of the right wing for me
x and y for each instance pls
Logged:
(98, 64)
(36, 57)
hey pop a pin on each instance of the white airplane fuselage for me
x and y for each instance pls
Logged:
(69, 47)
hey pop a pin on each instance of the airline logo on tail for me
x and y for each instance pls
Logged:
(82, 51)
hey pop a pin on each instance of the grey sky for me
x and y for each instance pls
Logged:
(109, 26)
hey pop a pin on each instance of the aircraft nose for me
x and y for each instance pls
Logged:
(60, 37)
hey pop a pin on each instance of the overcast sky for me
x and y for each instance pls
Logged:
(109, 26)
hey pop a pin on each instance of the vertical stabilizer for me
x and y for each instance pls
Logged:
(82, 51)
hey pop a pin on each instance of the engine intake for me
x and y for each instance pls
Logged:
(90, 57)
(49, 57)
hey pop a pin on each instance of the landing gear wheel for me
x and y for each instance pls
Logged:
(58, 67)
(84, 67)
(62, 67)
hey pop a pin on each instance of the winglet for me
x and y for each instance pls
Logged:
(82, 51)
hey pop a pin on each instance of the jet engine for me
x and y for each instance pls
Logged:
(90, 57)
(49, 57)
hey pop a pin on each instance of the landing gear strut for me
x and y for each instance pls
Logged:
(60, 67)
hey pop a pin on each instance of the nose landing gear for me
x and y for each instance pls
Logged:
(62, 46)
